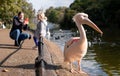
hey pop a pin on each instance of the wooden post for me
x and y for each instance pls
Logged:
(40, 47)
(39, 61)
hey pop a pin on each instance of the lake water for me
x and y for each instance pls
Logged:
(101, 59)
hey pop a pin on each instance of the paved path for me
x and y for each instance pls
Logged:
(18, 61)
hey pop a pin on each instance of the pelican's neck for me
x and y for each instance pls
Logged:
(82, 32)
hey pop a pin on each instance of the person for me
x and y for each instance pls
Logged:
(2, 25)
(16, 31)
(41, 28)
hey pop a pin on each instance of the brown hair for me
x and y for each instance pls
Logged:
(19, 13)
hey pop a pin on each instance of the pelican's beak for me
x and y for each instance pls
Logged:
(91, 24)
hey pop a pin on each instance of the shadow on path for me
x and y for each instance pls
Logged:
(24, 66)
(32, 66)
(8, 46)
(9, 56)
(53, 67)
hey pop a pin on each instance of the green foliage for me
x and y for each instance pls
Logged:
(102, 12)
(10, 8)
(55, 15)
(62, 16)
(68, 22)
(105, 13)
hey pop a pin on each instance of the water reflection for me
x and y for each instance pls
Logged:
(108, 56)
(102, 59)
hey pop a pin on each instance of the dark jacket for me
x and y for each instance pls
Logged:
(17, 24)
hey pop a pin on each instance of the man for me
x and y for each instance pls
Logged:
(16, 30)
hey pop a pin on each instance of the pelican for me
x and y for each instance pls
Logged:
(76, 48)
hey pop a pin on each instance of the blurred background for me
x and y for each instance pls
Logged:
(103, 57)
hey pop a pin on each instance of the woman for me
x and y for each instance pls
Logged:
(16, 30)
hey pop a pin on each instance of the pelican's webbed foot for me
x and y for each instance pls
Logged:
(73, 71)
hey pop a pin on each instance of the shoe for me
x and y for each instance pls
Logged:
(29, 37)
(21, 42)
(34, 47)
(16, 43)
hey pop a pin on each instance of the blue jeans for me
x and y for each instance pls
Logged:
(35, 40)
(16, 35)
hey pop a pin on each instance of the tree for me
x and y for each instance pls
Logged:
(68, 23)
(9, 8)
(55, 15)
(102, 12)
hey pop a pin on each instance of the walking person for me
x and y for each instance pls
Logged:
(16, 31)
(41, 28)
